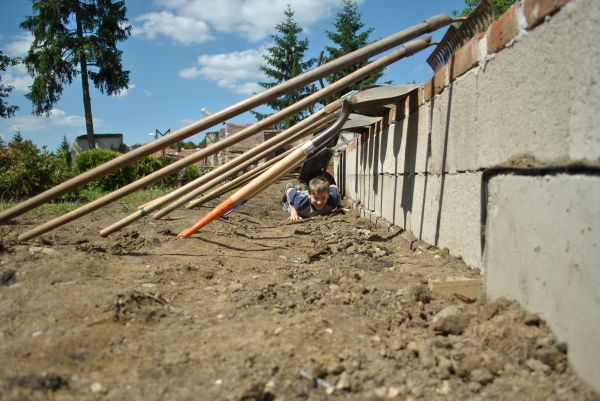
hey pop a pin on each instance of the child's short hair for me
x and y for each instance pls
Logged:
(318, 185)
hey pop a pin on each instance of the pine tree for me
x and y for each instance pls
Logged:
(64, 150)
(285, 60)
(348, 38)
(17, 137)
(6, 111)
(71, 36)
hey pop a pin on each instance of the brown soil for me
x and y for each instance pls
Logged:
(258, 308)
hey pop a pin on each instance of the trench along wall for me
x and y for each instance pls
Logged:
(523, 94)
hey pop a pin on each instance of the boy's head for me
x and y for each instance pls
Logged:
(318, 192)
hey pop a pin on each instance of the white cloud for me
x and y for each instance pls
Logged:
(253, 19)
(20, 45)
(146, 92)
(125, 92)
(57, 118)
(17, 77)
(237, 71)
(189, 73)
(183, 29)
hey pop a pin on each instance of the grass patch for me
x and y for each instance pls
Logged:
(128, 204)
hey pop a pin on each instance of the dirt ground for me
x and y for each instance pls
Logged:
(258, 308)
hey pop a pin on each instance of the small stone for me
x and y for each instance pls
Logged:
(474, 387)
(393, 392)
(482, 376)
(218, 382)
(417, 391)
(381, 392)
(220, 316)
(270, 386)
(468, 364)
(416, 310)
(537, 366)
(97, 387)
(450, 320)
(413, 347)
(37, 333)
(44, 250)
(329, 330)
(278, 331)
(426, 355)
(444, 389)
(444, 367)
(344, 382)
(330, 364)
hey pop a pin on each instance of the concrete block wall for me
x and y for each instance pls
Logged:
(525, 94)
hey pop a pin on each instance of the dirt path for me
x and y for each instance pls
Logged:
(256, 308)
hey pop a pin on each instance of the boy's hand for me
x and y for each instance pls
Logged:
(294, 216)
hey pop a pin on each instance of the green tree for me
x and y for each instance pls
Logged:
(64, 150)
(17, 137)
(285, 60)
(500, 6)
(6, 111)
(71, 36)
(347, 38)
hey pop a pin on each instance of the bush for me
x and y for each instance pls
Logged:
(95, 157)
(25, 171)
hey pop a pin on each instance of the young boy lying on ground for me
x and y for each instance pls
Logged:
(321, 198)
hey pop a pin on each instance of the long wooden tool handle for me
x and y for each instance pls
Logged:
(276, 171)
(255, 186)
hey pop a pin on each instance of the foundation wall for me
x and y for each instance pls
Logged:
(523, 96)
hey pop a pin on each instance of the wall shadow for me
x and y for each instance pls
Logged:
(410, 158)
(427, 158)
(396, 145)
(444, 157)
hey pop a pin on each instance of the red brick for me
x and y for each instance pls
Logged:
(413, 102)
(536, 10)
(439, 80)
(428, 91)
(465, 58)
(503, 30)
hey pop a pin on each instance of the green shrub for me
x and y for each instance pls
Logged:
(25, 171)
(95, 157)
(191, 173)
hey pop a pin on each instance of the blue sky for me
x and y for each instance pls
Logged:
(185, 55)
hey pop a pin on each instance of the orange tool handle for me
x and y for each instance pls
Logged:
(217, 212)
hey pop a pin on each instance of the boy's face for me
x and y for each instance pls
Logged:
(318, 199)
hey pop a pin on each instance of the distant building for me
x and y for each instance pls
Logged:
(179, 154)
(239, 148)
(103, 141)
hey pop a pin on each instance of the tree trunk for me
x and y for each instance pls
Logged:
(87, 104)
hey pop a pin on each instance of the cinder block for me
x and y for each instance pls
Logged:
(463, 144)
(542, 249)
(390, 187)
(503, 30)
(534, 122)
(536, 10)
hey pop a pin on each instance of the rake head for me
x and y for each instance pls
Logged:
(458, 34)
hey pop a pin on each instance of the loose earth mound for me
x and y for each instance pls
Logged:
(257, 308)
